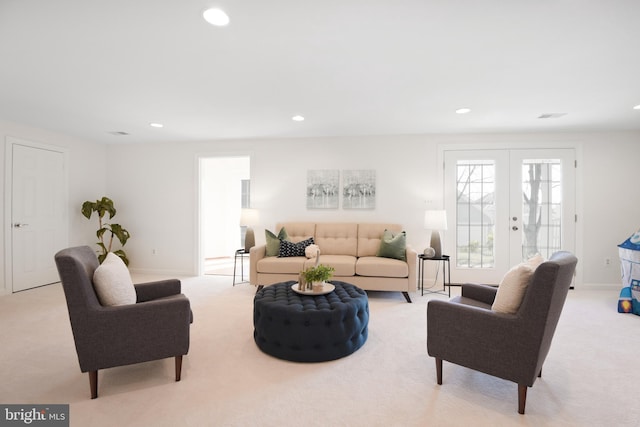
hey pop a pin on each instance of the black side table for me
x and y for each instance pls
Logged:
(240, 253)
(446, 274)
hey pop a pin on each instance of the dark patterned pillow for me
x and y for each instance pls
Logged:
(288, 248)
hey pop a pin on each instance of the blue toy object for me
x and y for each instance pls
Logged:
(624, 302)
(629, 251)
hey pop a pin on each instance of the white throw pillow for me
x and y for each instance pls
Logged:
(512, 288)
(112, 282)
(535, 261)
(312, 251)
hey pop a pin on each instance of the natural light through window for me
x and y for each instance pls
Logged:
(475, 213)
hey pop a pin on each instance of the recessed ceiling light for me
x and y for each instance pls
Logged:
(637, 107)
(297, 118)
(216, 17)
(156, 125)
(463, 110)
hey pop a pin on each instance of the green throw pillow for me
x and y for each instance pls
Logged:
(393, 246)
(273, 241)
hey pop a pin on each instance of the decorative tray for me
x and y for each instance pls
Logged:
(326, 289)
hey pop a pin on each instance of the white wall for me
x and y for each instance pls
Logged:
(155, 188)
(87, 171)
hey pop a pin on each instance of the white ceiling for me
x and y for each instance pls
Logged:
(350, 67)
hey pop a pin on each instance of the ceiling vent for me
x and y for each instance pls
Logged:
(551, 115)
(119, 133)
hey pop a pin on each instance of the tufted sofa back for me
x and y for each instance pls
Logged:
(369, 236)
(340, 238)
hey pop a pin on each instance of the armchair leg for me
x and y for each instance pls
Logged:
(407, 296)
(93, 383)
(178, 367)
(439, 370)
(522, 398)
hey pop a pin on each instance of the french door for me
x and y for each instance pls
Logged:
(504, 206)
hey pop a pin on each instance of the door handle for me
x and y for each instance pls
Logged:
(19, 225)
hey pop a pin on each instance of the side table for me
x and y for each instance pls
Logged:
(240, 253)
(446, 274)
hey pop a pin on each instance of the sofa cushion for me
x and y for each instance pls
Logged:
(273, 241)
(369, 236)
(289, 249)
(345, 265)
(337, 238)
(512, 289)
(112, 282)
(275, 265)
(381, 267)
(393, 245)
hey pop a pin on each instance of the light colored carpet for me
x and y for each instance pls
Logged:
(589, 379)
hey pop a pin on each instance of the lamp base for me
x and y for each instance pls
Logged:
(436, 244)
(249, 239)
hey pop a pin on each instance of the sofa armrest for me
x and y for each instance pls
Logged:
(159, 289)
(484, 293)
(256, 254)
(412, 262)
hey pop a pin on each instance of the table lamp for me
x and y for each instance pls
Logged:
(435, 220)
(249, 218)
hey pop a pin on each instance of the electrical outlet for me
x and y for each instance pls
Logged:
(154, 251)
(607, 262)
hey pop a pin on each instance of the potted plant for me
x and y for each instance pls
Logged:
(102, 207)
(318, 274)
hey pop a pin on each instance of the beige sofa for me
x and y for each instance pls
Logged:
(350, 248)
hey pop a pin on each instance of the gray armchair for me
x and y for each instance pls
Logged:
(155, 327)
(465, 331)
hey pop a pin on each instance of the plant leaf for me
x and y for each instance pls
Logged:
(101, 232)
(87, 209)
(121, 233)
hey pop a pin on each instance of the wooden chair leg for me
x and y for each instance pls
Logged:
(93, 383)
(439, 370)
(540, 374)
(178, 367)
(522, 398)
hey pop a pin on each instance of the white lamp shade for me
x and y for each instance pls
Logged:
(249, 217)
(435, 220)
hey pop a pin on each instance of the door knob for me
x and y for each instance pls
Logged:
(19, 225)
(514, 228)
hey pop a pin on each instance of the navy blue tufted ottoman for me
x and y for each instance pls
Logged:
(304, 328)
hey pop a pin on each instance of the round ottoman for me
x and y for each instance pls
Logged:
(305, 328)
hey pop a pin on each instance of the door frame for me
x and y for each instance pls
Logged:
(198, 161)
(518, 142)
(10, 142)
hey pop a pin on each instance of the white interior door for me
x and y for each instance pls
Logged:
(38, 215)
(504, 206)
